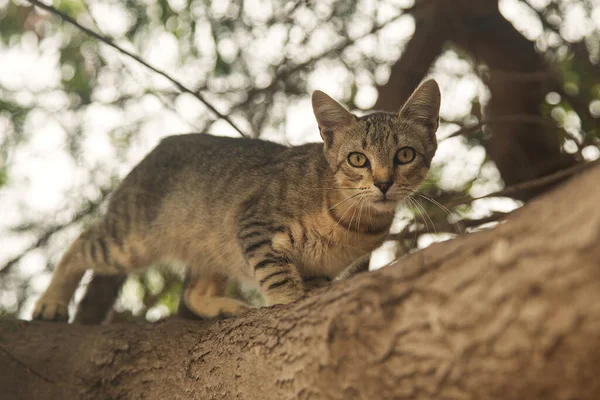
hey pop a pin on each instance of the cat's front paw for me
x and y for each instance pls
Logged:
(288, 295)
(235, 310)
(50, 310)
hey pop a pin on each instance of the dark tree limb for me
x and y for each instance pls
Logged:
(414, 63)
(521, 151)
(511, 313)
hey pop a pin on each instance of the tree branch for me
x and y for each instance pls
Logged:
(112, 44)
(517, 118)
(531, 184)
(461, 226)
(506, 313)
(42, 239)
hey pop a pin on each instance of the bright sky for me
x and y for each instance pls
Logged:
(47, 184)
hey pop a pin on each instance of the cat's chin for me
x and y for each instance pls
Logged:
(384, 206)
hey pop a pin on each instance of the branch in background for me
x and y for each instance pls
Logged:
(110, 43)
(419, 54)
(534, 183)
(521, 118)
(47, 234)
(462, 225)
(448, 227)
(284, 71)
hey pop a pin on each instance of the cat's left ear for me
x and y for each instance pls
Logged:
(423, 107)
(331, 116)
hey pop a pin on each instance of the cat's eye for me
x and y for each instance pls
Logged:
(358, 160)
(405, 155)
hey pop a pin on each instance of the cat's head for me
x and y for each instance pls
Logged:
(384, 156)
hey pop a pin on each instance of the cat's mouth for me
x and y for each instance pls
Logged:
(385, 201)
(385, 205)
(385, 198)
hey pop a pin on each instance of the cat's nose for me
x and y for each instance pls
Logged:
(384, 186)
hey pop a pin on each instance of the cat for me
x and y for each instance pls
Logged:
(256, 210)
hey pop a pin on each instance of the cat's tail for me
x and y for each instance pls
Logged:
(101, 294)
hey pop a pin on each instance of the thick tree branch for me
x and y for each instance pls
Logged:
(509, 313)
(414, 63)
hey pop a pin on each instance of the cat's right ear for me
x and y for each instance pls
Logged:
(423, 106)
(331, 116)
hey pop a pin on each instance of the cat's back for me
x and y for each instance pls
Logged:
(200, 148)
(205, 168)
(197, 157)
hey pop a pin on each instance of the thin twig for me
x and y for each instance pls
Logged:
(464, 224)
(523, 118)
(514, 76)
(46, 235)
(284, 70)
(110, 43)
(531, 184)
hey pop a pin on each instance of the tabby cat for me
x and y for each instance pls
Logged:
(256, 210)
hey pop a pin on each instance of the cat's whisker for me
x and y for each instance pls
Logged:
(414, 241)
(330, 236)
(360, 212)
(348, 233)
(418, 213)
(356, 214)
(341, 188)
(361, 205)
(325, 212)
(420, 206)
(341, 202)
(440, 206)
(334, 188)
(355, 208)
(370, 219)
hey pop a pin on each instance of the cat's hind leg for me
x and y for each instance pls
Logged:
(95, 249)
(205, 296)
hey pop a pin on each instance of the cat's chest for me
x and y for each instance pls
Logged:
(320, 246)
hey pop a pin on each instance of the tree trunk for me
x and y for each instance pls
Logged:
(508, 313)
(518, 79)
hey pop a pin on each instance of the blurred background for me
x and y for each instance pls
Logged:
(520, 83)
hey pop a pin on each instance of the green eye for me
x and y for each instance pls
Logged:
(358, 160)
(405, 155)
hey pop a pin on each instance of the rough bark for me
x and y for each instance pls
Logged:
(509, 313)
(518, 80)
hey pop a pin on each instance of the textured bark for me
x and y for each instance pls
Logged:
(509, 313)
(518, 80)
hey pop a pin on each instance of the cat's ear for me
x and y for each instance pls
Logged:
(331, 115)
(423, 106)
